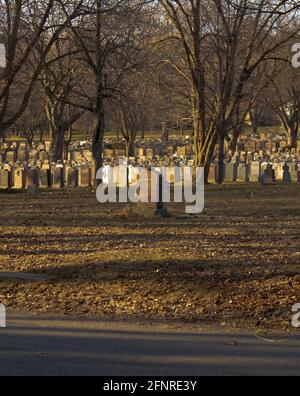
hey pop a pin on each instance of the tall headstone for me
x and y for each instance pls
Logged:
(57, 177)
(11, 157)
(84, 177)
(294, 172)
(71, 177)
(242, 173)
(255, 171)
(212, 176)
(230, 172)
(5, 179)
(19, 178)
(32, 179)
(45, 178)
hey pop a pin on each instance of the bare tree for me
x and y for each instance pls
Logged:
(23, 24)
(223, 44)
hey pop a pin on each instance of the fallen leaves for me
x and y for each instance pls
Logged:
(236, 265)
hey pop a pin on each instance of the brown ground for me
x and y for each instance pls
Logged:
(236, 265)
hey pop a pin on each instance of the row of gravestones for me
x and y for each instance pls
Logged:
(23, 156)
(257, 172)
(34, 178)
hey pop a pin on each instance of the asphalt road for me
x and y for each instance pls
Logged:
(62, 346)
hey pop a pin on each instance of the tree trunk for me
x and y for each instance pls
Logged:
(51, 137)
(97, 142)
(143, 133)
(221, 159)
(235, 137)
(129, 148)
(58, 150)
(293, 137)
(165, 133)
(41, 134)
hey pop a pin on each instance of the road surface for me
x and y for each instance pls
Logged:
(63, 346)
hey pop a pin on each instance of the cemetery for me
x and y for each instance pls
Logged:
(268, 160)
(149, 182)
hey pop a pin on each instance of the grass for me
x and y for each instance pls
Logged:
(79, 135)
(235, 265)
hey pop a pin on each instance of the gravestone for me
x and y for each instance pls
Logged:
(212, 175)
(32, 180)
(46, 165)
(181, 152)
(19, 178)
(11, 157)
(71, 177)
(242, 173)
(267, 176)
(230, 172)
(43, 156)
(22, 156)
(5, 179)
(45, 178)
(84, 177)
(2, 156)
(279, 171)
(255, 171)
(57, 177)
(88, 155)
(149, 153)
(294, 173)
(120, 153)
(33, 156)
(170, 151)
(140, 152)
